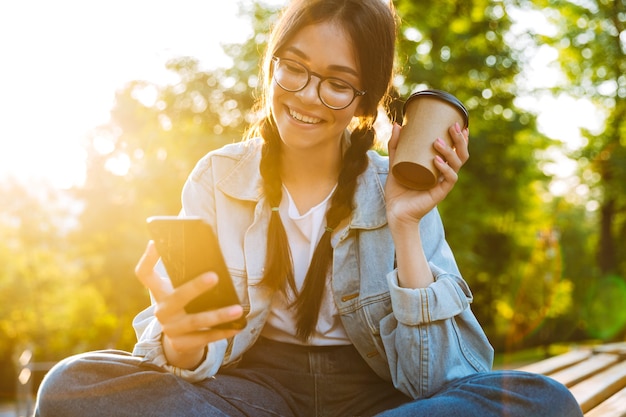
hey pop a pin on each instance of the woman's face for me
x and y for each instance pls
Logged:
(303, 121)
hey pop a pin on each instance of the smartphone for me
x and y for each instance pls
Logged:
(188, 247)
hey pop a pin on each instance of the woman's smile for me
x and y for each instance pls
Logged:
(303, 118)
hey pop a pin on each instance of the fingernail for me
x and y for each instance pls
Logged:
(438, 158)
(441, 142)
(457, 127)
(235, 311)
(209, 278)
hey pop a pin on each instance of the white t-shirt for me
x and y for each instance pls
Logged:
(304, 232)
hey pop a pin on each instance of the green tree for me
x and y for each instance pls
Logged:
(45, 298)
(590, 37)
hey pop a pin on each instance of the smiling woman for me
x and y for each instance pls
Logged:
(68, 59)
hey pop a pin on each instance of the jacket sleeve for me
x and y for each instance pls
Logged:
(432, 337)
(197, 200)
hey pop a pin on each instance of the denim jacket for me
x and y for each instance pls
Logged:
(420, 339)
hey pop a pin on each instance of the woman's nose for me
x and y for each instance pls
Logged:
(309, 94)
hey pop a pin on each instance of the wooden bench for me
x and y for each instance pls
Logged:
(596, 376)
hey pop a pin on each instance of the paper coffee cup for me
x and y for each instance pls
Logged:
(428, 115)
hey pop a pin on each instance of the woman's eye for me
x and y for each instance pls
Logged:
(338, 85)
(294, 69)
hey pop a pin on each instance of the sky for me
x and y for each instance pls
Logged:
(63, 60)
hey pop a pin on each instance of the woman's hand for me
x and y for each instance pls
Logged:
(407, 206)
(185, 336)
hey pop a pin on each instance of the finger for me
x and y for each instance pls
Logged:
(392, 145)
(448, 177)
(146, 263)
(457, 153)
(460, 141)
(202, 322)
(175, 302)
(144, 270)
(448, 154)
(198, 340)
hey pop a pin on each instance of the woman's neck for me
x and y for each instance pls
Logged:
(310, 176)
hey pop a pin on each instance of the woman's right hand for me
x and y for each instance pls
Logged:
(185, 336)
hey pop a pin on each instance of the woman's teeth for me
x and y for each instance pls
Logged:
(303, 118)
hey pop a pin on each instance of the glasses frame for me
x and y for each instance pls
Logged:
(356, 92)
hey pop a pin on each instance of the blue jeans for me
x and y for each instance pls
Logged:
(276, 379)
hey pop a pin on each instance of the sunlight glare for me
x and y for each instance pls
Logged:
(67, 60)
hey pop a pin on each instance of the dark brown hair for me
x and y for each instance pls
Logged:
(371, 26)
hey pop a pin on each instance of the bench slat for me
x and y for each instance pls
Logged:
(596, 376)
(576, 373)
(618, 348)
(594, 390)
(615, 406)
(556, 363)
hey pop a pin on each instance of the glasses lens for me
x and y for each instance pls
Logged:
(291, 75)
(336, 93)
(294, 76)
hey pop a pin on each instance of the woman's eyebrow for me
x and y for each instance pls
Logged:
(340, 68)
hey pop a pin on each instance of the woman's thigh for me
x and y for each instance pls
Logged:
(114, 383)
(496, 394)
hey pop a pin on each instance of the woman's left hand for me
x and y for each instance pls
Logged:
(407, 206)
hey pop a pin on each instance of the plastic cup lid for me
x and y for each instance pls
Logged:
(442, 95)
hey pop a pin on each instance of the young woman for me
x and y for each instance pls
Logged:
(354, 303)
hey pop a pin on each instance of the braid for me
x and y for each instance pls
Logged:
(278, 265)
(354, 163)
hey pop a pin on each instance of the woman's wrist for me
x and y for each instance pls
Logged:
(184, 360)
(413, 268)
(403, 230)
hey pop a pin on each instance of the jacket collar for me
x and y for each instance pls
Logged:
(370, 209)
(242, 178)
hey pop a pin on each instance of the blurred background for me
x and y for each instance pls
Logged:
(105, 107)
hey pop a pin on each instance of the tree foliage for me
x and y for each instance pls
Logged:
(590, 38)
(46, 300)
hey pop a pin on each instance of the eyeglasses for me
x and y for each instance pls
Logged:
(293, 76)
